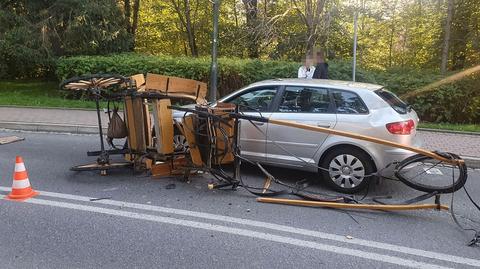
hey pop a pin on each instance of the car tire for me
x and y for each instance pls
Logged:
(345, 169)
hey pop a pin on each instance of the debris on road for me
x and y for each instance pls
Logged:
(100, 198)
(10, 139)
(170, 186)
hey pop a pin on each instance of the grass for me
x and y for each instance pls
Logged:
(37, 94)
(451, 126)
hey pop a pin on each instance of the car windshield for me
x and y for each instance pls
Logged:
(396, 103)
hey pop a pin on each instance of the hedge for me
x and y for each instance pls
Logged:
(233, 73)
(456, 103)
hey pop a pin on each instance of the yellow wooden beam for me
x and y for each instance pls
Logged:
(350, 206)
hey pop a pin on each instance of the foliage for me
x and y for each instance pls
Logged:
(475, 128)
(33, 33)
(457, 102)
(21, 49)
(233, 73)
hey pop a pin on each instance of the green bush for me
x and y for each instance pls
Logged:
(457, 102)
(233, 73)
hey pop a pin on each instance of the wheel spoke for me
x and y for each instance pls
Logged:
(340, 160)
(357, 165)
(356, 181)
(335, 165)
(347, 183)
(350, 159)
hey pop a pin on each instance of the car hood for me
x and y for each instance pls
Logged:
(180, 114)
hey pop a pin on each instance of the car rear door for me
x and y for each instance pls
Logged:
(302, 104)
(256, 101)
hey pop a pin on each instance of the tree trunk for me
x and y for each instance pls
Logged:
(186, 21)
(392, 33)
(446, 38)
(190, 29)
(251, 7)
(136, 7)
(312, 17)
(127, 15)
(235, 13)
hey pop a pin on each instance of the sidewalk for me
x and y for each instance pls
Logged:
(85, 121)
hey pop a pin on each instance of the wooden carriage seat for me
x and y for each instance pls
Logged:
(177, 87)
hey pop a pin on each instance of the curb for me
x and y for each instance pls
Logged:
(470, 161)
(51, 127)
(48, 107)
(447, 131)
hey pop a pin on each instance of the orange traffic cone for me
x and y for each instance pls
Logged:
(21, 188)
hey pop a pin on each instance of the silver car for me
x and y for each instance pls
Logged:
(360, 108)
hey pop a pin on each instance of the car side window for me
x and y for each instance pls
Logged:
(305, 100)
(257, 100)
(348, 103)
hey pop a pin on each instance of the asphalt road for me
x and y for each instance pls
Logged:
(144, 225)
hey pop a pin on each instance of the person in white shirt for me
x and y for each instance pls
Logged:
(307, 69)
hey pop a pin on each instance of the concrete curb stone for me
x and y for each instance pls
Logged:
(448, 131)
(50, 127)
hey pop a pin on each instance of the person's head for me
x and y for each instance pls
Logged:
(308, 61)
(320, 56)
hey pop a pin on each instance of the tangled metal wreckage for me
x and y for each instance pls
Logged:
(212, 138)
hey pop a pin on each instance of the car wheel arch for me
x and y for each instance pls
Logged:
(347, 145)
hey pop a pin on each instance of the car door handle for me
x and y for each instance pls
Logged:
(323, 125)
(259, 123)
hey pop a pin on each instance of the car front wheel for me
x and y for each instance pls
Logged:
(347, 170)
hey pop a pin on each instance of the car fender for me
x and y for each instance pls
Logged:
(372, 149)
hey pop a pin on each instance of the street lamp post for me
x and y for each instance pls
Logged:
(354, 45)
(214, 66)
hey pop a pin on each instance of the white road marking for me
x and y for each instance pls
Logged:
(272, 226)
(242, 232)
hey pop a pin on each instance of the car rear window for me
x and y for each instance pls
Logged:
(348, 103)
(396, 103)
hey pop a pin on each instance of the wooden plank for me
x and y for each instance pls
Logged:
(155, 82)
(189, 133)
(163, 121)
(147, 125)
(10, 139)
(178, 87)
(350, 206)
(161, 169)
(135, 123)
(365, 138)
(139, 80)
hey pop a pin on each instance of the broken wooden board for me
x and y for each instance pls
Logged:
(161, 169)
(189, 133)
(10, 139)
(177, 87)
(163, 121)
(139, 80)
(147, 126)
(134, 116)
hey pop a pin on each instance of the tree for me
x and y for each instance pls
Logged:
(185, 17)
(446, 37)
(251, 12)
(316, 20)
(131, 19)
(33, 33)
